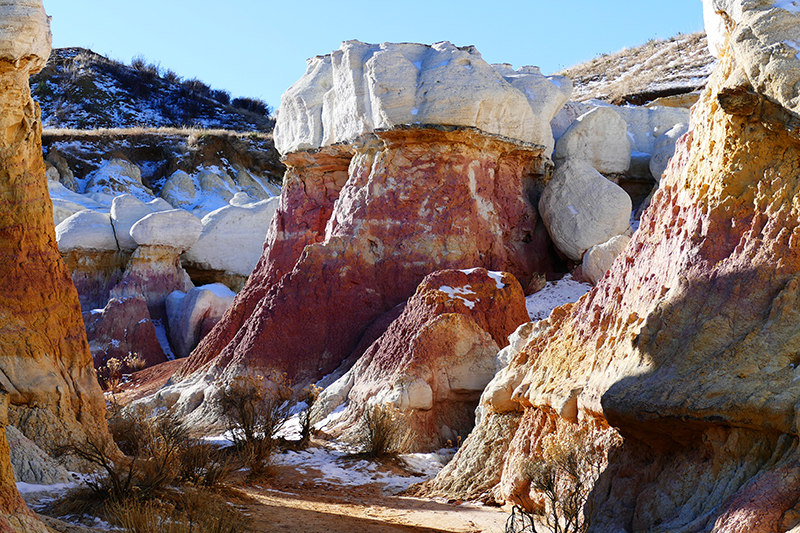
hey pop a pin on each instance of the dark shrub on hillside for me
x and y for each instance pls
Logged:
(198, 87)
(223, 97)
(254, 105)
(171, 76)
(152, 71)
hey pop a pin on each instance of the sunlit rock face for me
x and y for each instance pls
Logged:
(682, 361)
(434, 360)
(45, 364)
(364, 87)
(416, 200)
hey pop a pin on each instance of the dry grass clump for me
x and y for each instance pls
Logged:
(193, 511)
(383, 432)
(681, 61)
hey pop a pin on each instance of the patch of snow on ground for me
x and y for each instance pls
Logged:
(331, 419)
(555, 293)
(336, 467)
(30, 488)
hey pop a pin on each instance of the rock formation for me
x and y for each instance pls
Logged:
(687, 348)
(192, 315)
(364, 87)
(435, 359)
(366, 259)
(45, 365)
(15, 517)
(373, 201)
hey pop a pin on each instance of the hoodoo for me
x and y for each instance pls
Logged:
(414, 159)
(45, 365)
(681, 364)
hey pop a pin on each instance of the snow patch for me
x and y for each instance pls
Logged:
(161, 335)
(334, 466)
(554, 294)
(496, 276)
(459, 293)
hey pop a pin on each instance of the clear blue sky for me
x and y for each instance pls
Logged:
(258, 48)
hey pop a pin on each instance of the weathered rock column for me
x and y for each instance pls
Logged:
(45, 363)
(682, 363)
(417, 199)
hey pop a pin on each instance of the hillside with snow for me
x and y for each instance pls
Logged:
(79, 89)
(640, 74)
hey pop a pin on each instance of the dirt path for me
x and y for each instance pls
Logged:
(294, 501)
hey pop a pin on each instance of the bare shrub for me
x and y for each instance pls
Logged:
(134, 362)
(309, 395)
(151, 446)
(192, 511)
(383, 431)
(254, 413)
(171, 76)
(221, 96)
(110, 375)
(254, 105)
(196, 86)
(566, 474)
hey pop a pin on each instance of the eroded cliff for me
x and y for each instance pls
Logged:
(682, 362)
(45, 365)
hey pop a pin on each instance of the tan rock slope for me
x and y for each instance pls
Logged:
(688, 348)
(45, 365)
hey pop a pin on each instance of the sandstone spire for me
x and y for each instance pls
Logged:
(45, 365)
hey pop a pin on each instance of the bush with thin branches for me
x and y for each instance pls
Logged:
(254, 411)
(565, 474)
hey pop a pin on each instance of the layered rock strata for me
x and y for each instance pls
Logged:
(687, 348)
(45, 366)
(417, 199)
(434, 360)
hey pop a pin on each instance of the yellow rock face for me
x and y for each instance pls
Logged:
(689, 348)
(45, 365)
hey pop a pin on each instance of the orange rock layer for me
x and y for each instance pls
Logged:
(688, 348)
(44, 356)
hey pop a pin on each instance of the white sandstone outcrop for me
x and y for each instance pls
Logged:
(646, 124)
(598, 137)
(193, 314)
(117, 176)
(598, 259)
(664, 148)
(362, 87)
(86, 230)
(25, 33)
(581, 208)
(179, 190)
(241, 228)
(765, 38)
(126, 210)
(176, 228)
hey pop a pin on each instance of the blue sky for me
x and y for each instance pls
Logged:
(258, 48)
